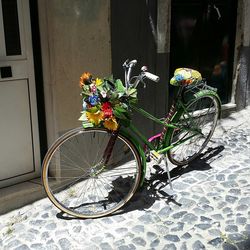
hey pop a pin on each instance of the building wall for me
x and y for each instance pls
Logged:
(75, 37)
(242, 56)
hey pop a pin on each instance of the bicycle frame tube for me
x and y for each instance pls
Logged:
(159, 121)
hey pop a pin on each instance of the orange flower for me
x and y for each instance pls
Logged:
(111, 124)
(84, 78)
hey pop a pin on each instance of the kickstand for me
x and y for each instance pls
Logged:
(172, 193)
(168, 172)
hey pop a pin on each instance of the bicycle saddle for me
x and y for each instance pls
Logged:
(185, 76)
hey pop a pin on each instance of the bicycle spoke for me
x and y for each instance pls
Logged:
(201, 115)
(77, 181)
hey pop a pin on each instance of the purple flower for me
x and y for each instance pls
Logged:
(93, 100)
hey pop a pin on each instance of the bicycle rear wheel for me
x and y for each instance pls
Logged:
(201, 114)
(79, 181)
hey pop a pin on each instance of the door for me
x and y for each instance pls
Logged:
(203, 37)
(19, 139)
(132, 38)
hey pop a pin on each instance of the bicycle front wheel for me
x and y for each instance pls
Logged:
(200, 115)
(80, 182)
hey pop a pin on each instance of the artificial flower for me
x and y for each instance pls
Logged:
(108, 113)
(93, 88)
(104, 94)
(179, 77)
(93, 100)
(111, 124)
(84, 78)
(84, 105)
(96, 117)
(188, 81)
(100, 99)
(98, 81)
(106, 105)
(107, 109)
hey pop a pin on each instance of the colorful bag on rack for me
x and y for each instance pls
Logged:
(185, 76)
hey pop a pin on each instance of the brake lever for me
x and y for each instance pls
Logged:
(125, 64)
(144, 84)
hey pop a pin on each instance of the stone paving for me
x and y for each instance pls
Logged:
(211, 210)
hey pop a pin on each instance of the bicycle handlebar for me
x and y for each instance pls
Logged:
(152, 77)
(128, 65)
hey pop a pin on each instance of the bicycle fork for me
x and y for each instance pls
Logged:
(100, 167)
(109, 148)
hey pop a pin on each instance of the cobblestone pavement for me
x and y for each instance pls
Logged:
(211, 210)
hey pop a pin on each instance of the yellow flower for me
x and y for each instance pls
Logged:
(111, 124)
(96, 117)
(98, 81)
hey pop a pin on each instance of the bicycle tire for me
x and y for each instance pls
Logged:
(78, 182)
(204, 110)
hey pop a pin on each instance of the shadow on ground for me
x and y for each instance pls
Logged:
(154, 188)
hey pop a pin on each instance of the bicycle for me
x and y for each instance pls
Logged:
(93, 172)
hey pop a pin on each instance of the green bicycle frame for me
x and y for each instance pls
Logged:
(161, 122)
(142, 138)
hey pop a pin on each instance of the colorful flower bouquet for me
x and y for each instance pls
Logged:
(105, 102)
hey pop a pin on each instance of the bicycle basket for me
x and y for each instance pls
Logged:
(105, 102)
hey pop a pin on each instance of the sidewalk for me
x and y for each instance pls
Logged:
(212, 209)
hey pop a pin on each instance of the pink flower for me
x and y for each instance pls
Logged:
(93, 88)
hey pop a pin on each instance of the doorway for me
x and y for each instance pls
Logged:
(19, 133)
(203, 38)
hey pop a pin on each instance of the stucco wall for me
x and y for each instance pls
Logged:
(75, 37)
(241, 86)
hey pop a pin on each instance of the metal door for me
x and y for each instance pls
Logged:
(19, 138)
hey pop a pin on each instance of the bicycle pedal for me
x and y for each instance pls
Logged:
(148, 158)
(156, 156)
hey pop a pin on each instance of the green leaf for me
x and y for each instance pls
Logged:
(100, 88)
(94, 109)
(132, 93)
(133, 101)
(119, 86)
(125, 122)
(110, 78)
(86, 91)
(120, 109)
(87, 125)
(83, 117)
(114, 96)
(119, 115)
